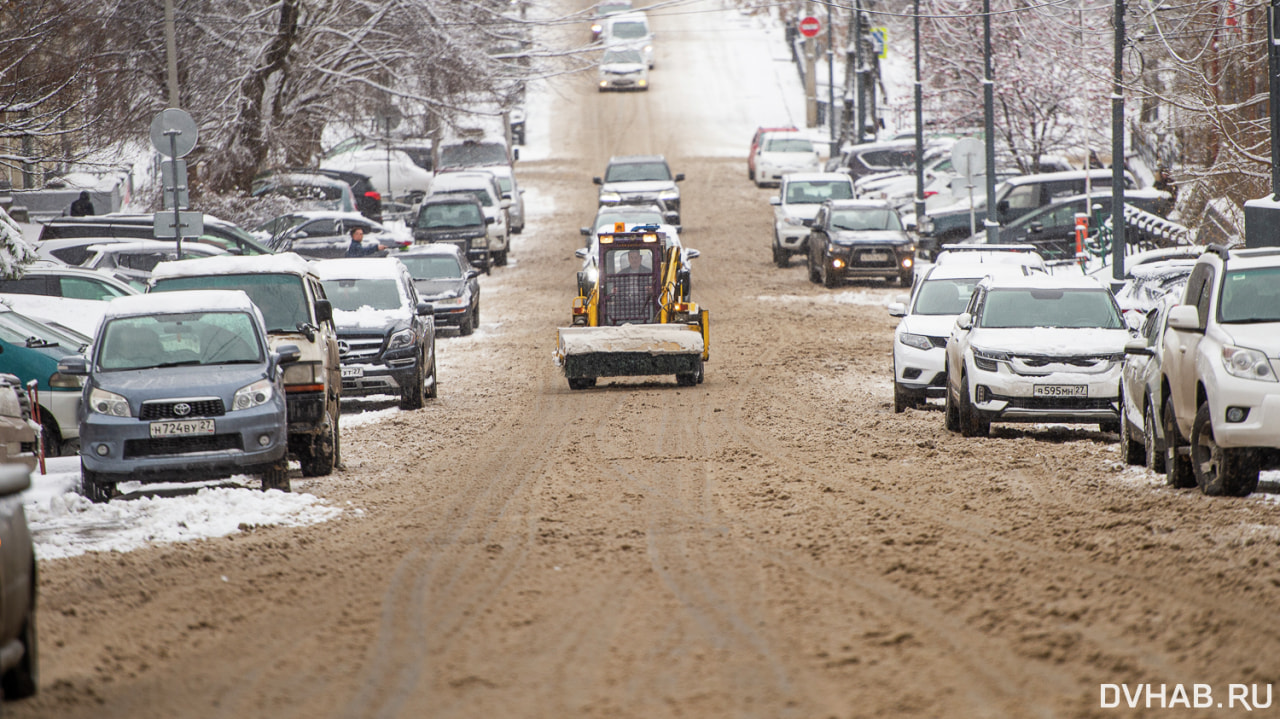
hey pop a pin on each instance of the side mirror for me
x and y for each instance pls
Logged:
(1002, 206)
(897, 309)
(679, 228)
(1185, 317)
(74, 365)
(581, 253)
(775, 201)
(490, 220)
(692, 254)
(515, 154)
(965, 321)
(671, 217)
(679, 177)
(1035, 228)
(506, 202)
(471, 274)
(1138, 347)
(597, 180)
(584, 231)
(425, 308)
(324, 311)
(286, 354)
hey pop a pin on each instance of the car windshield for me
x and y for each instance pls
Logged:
(616, 57)
(480, 194)
(637, 172)
(470, 154)
(944, 297)
(173, 340)
(1034, 307)
(788, 144)
(281, 298)
(872, 219)
(1250, 296)
(612, 8)
(19, 329)
(432, 267)
(450, 215)
(353, 295)
(629, 30)
(817, 192)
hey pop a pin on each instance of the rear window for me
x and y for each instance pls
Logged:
(471, 154)
(788, 144)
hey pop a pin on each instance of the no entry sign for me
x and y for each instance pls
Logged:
(810, 26)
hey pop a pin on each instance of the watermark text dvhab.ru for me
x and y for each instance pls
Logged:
(1245, 697)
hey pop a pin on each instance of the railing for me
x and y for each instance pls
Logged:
(1142, 231)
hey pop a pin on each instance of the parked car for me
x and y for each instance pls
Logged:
(622, 68)
(459, 220)
(1035, 348)
(603, 11)
(31, 350)
(217, 232)
(755, 145)
(1219, 366)
(295, 312)
(800, 194)
(378, 175)
(17, 430)
(386, 335)
(312, 190)
(872, 157)
(444, 277)
(859, 238)
(1148, 284)
(782, 153)
(1141, 440)
(54, 279)
(131, 262)
(323, 234)
(1052, 228)
(920, 339)
(483, 185)
(365, 197)
(19, 664)
(510, 191)
(630, 179)
(181, 387)
(630, 30)
(1020, 255)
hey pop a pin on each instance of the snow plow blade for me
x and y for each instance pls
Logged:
(590, 352)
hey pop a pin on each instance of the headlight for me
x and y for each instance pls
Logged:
(596, 28)
(304, 373)
(252, 395)
(593, 274)
(987, 361)
(671, 194)
(920, 342)
(610, 197)
(403, 338)
(108, 403)
(1247, 363)
(481, 242)
(65, 381)
(450, 302)
(793, 221)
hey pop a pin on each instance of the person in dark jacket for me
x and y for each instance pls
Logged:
(358, 248)
(82, 207)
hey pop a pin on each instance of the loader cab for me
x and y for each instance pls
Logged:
(630, 278)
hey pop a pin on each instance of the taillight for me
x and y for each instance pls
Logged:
(929, 193)
(373, 195)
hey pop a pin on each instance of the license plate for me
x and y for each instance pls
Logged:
(1060, 390)
(875, 256)
(182, 428)
(348, 372)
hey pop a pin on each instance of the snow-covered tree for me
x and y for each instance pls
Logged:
(15, 252)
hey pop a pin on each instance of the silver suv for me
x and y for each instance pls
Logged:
(1219, 387)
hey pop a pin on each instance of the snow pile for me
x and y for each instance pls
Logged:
(653, 339)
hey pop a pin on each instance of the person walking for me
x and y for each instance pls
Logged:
(82, 207)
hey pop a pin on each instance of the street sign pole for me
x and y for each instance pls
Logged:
(173, 160)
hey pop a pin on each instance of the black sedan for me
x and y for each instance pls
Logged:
(444, 278)
(859, 238)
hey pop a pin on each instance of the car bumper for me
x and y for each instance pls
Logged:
(305, 411)
(1007, 397)
(245, 441)
(869, 262)
(767, 173)
(791, 237)
(624, 83)
(364, 379)
(1261, 424)
(451, 316)
(920, 371)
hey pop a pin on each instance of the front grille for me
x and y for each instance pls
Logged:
(360, 348)
(163, 409)
(181, 445)
(1059, 403)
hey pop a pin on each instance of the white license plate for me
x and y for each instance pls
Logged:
(1060, 390)
(182, 428)
(875, 256)
(352, 372)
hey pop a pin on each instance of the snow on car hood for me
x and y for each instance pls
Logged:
(1261, 336)
(638, 186)
(928, 325)
(801, 210)
(437, 289)
(367, 318)
(883, 237)
(1052, 341)
(623, 68)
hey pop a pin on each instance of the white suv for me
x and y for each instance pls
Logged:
(800, 196)
(485, 187)
(1219, 364)
(1035, 348)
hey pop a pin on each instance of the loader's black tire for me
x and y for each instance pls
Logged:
(690, 379)
(582, 382)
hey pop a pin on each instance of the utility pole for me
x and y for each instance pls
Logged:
(988, 121)
(171, 52)
(859, 92)
(1117, 148)
(831, 83)
(1262, 216)
(919, 123)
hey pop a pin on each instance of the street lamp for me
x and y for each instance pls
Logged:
(1117, 149)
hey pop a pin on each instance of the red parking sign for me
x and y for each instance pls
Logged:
(810, 26)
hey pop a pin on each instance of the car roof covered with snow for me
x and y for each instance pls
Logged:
(179, 302)
(360, 268)
(283, 263)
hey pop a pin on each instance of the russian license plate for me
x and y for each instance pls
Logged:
(1060, 390)
(182, 428)
(875, 256)
(350, 372)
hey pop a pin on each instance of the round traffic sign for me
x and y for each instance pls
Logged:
(173, 133)
(968, 158)
(810, 26)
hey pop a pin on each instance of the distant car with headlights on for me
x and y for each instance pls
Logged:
(630, 179)
(623, 68)
(859, 238)
(1035, 348)
(444, 278)
(783, 152)
(180, 387)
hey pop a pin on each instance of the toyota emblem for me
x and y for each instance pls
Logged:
(182, 409)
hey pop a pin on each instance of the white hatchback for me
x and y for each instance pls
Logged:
(784, 152)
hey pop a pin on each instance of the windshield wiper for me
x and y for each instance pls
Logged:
(182, 363)
(37, 342)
